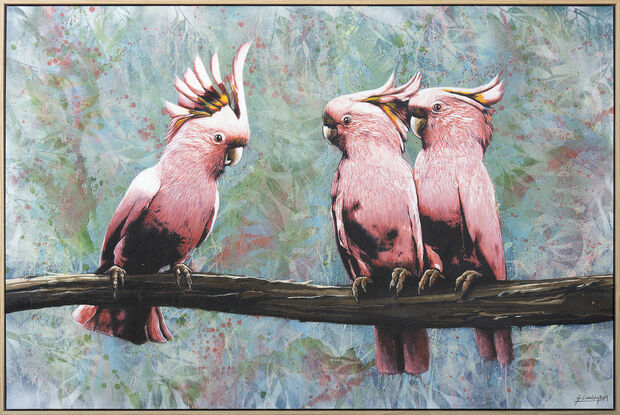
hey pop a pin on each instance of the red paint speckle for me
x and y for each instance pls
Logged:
(91, 9)
(132, 105)
(240, 24)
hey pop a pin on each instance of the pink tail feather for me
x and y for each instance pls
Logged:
(401, 351)
(495, 344)
(133, 323)
(503, 345)
(388, 351)
(416, 350)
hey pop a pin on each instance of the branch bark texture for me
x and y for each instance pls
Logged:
(579, 300)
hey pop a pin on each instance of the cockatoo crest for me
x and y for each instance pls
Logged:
(199, 97)
(483, 96)
(393, 101)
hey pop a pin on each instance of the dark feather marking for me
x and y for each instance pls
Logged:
(107, 255)
(360, 236)
(205, 232)
(148, 248)
(391, 235)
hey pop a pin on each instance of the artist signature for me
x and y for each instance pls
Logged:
(591, 398)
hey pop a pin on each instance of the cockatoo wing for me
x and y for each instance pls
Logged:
(211, 220)
(342, 241)
(134, 205)
(481, 217)
(414, 220)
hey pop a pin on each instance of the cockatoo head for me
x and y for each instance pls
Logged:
(453, 114)
(352, 120)
(210, 117)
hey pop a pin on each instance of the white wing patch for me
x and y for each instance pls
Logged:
(340, 233)
(147, 182)
(216, 206)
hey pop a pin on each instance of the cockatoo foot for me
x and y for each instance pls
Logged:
(117, 276)
(466, 280)
(360, 282)
(182, 271)
(429, 278)
(399, 275)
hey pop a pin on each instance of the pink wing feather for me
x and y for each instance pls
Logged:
(482, 218)
(139, 195)
(341, 237)
(416, 228)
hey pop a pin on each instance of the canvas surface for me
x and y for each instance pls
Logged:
(84, 98)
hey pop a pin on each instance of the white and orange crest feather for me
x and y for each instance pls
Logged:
(199, 97)
(484, 95)
(393, 101)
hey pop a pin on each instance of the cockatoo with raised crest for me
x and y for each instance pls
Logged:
(170, 208)
(375, 209)
(459, 214)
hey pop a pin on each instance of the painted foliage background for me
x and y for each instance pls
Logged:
(84, 91)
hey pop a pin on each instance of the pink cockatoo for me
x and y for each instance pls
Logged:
(375, 208)
(458, 210)
(169, 209)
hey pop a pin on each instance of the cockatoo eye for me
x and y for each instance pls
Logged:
(218, 138)
(346, 120)
(437, 107)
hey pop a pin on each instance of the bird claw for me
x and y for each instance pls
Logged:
(360, 281)
(466, 280)
(399, 275)
(117, 275)
(430, 276)
(182, 270)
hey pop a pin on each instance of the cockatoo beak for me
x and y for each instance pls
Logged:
(417, 126)
(329, 133)
(233, 156)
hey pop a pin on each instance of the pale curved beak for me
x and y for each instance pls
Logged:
(417, 126)
(329, 133)
(233, 156)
